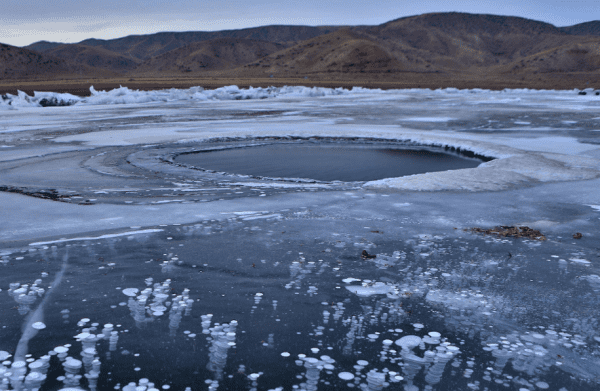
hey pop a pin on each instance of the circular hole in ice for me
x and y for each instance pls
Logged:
(328, 161)
(38, 325)
(345, 376)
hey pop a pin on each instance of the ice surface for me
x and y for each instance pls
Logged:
(107, 236)
(112, 242)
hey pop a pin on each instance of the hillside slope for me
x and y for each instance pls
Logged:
(216, 54)
(93, 56)
(20, 63)
(587, 28)
(342, 51)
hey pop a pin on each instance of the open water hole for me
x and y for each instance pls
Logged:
(328, 161)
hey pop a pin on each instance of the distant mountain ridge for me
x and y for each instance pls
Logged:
(587, 28)
(445, 43)
(143, 47)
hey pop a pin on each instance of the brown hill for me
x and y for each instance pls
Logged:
(216, 54)
(572, 57)
(96, 57)
(454, 46)
(143, 47)
(450, 43)
(42, 46)
(456, 41)
(20, 63)
(343, 51)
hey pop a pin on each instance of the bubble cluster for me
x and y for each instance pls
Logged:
(26, 295)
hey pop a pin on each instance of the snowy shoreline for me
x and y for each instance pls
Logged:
(124, 95)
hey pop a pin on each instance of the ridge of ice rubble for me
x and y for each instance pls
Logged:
(124, 95)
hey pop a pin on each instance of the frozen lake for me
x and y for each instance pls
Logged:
(120, 267)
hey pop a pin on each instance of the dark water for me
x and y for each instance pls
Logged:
(328, 162)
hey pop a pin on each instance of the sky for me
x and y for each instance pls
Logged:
(23, 22)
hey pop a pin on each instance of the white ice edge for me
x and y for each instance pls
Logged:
(107, 236)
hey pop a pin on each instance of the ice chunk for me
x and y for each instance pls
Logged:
(378, 288)
(580, 261)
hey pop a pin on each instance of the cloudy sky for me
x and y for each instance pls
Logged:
(26, 21)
